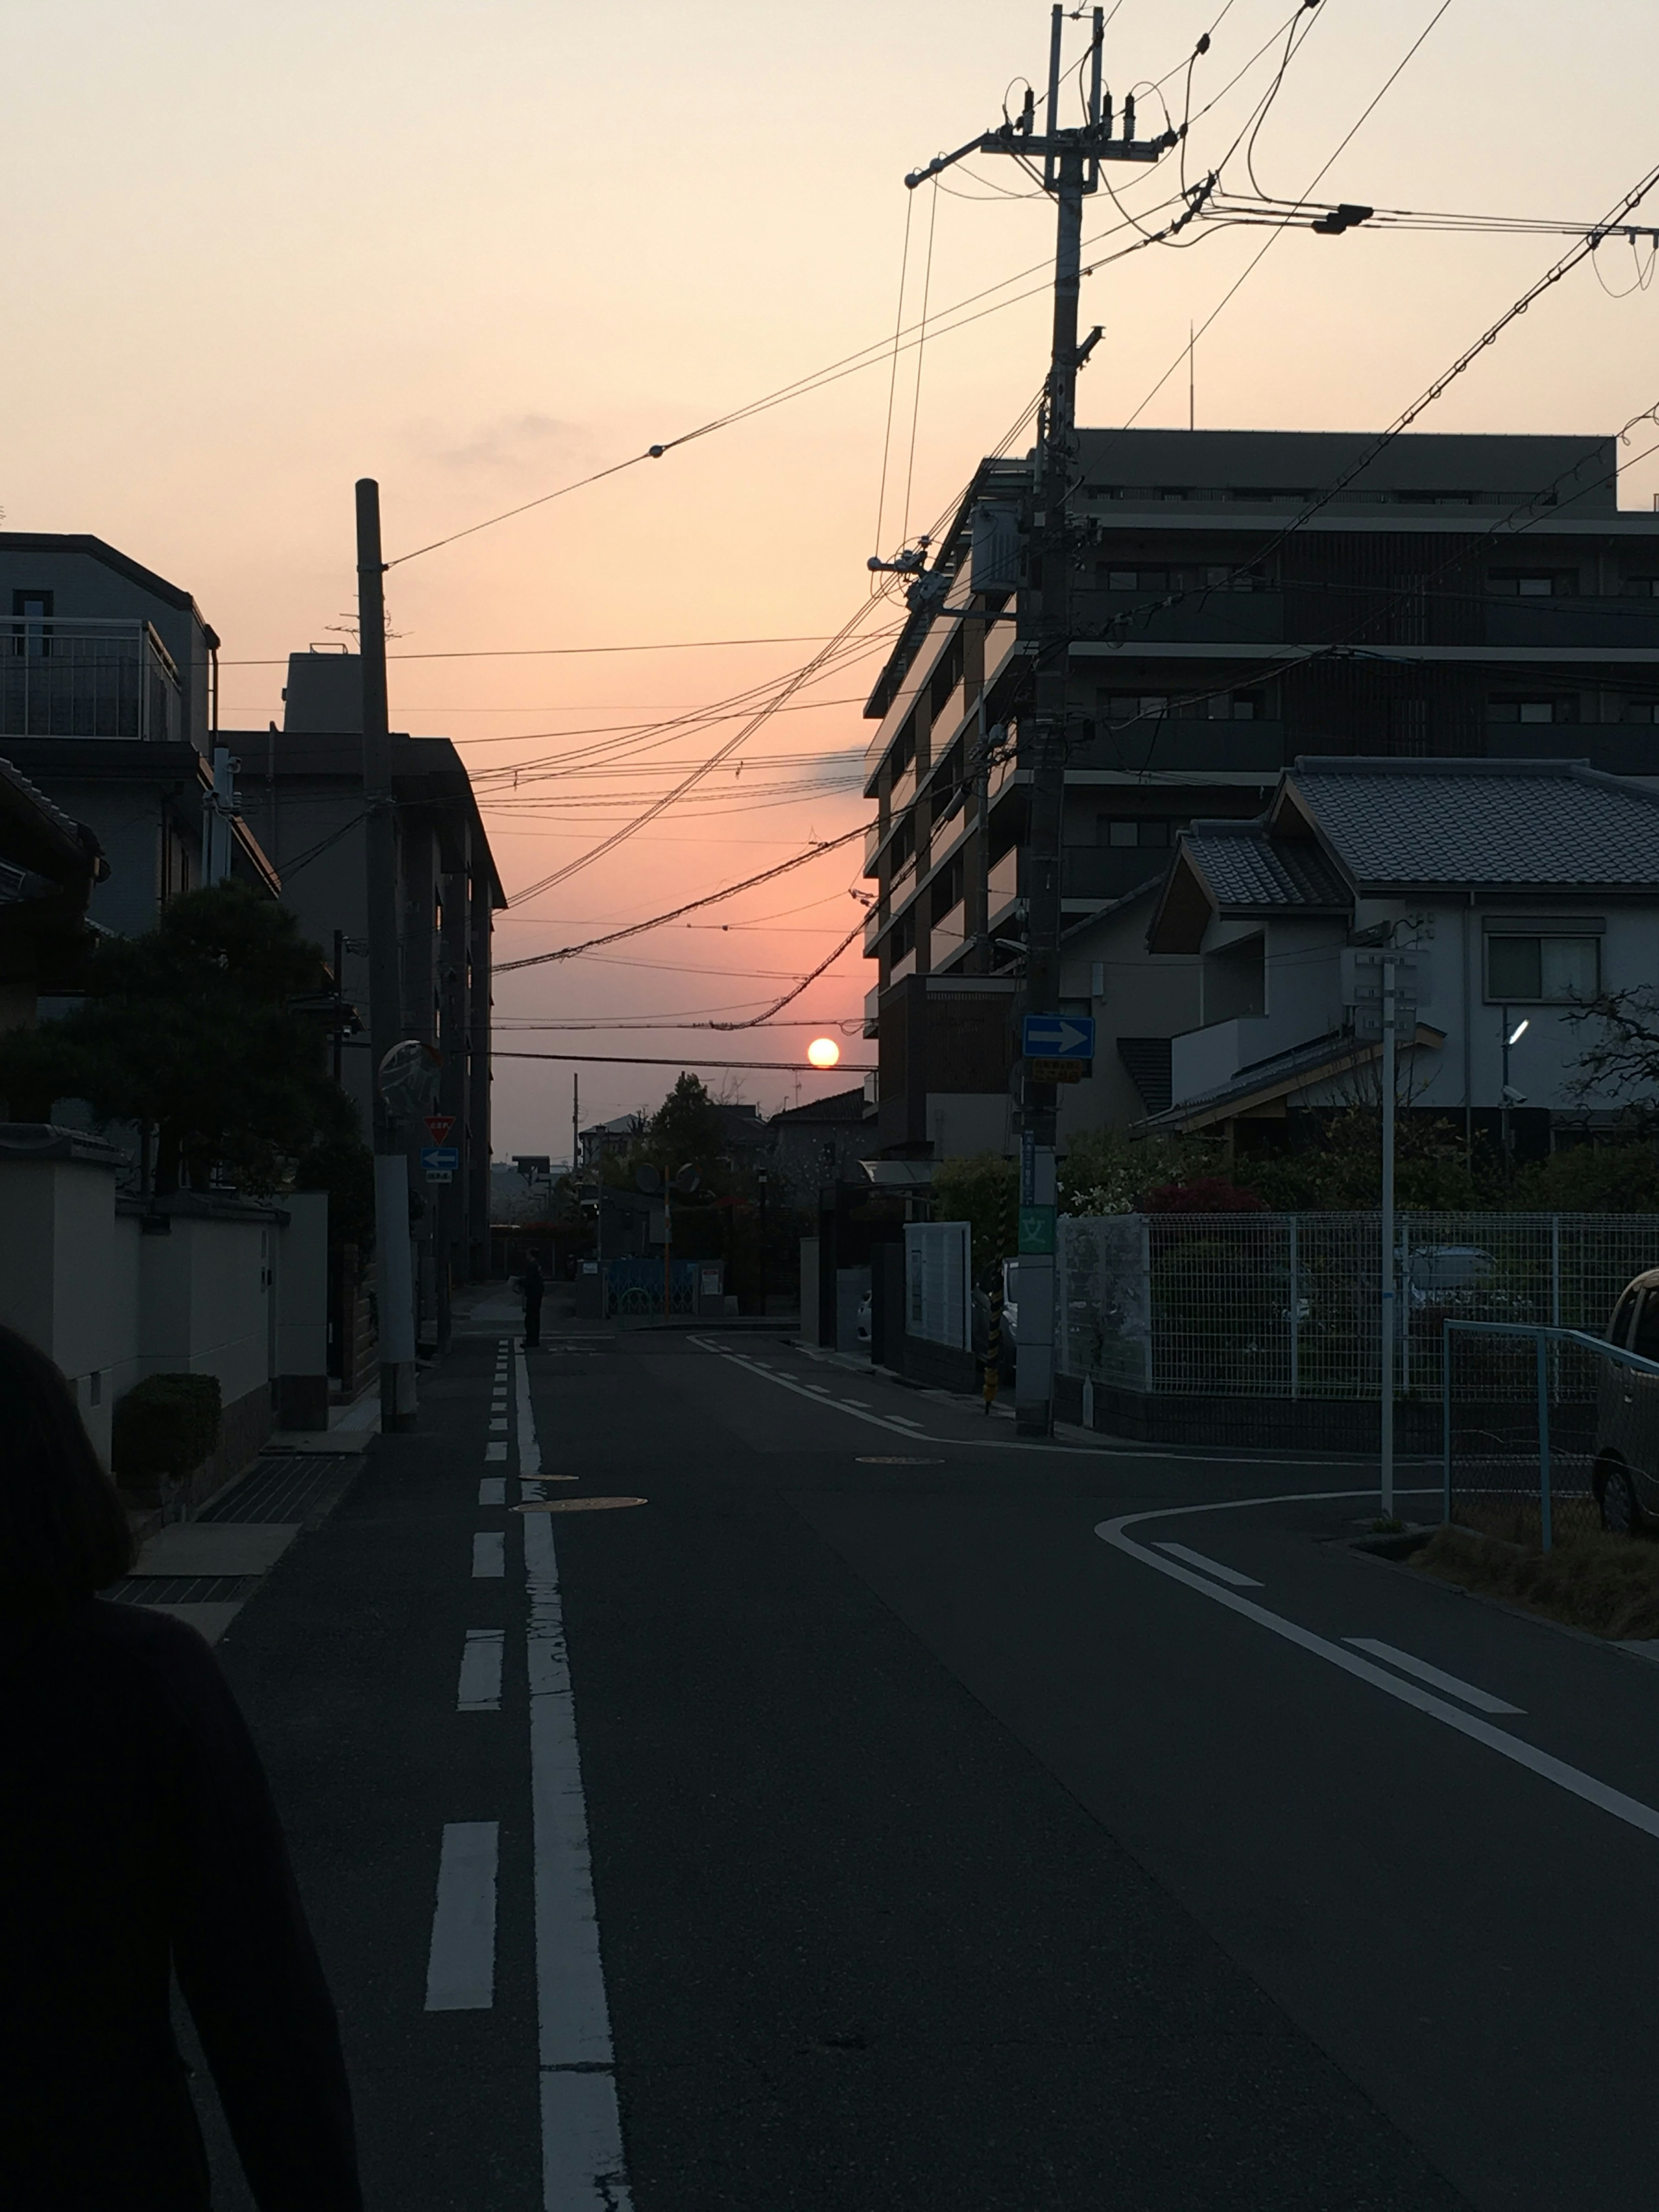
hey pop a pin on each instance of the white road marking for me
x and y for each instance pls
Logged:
(492, 1490)
(530, 1452)
(583, 2169)
(480, 1690)
(1482, 1700)
(488, 1555)
(1213, 1567)
(902, 1425)
(1578, 1785)
(498, 1426)
(494, 1451)
(461, 1971)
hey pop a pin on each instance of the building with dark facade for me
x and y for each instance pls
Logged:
(300, 788)
(1458, 597)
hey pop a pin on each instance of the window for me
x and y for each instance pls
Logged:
(1532, 583)
(1134, 830)
(31, 634)
(1642, 710)
(1131, 706)
(1508, 707)
(1642, 587)
(1236, 707)
(1542, 971)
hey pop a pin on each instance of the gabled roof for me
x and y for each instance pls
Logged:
(1337, 828)
(1476, 823)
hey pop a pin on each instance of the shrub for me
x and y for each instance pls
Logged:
(165, 1426)
(1203, 1195)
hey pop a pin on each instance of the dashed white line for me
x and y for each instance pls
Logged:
(492, 1490)
(494, 1451)
(1211, 1567)
(460, 1971)
(1482, 1700)
(488, 1555)
(480, 1687)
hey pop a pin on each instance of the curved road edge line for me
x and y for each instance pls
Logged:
(1631, 1810)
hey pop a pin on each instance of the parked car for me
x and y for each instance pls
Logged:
(1627, 1473)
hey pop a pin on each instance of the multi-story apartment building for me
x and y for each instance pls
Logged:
(1459, 597)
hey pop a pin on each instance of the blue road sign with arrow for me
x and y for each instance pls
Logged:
(1057, 1036)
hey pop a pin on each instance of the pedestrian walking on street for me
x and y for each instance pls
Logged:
(531, 1283)
(138, 1835)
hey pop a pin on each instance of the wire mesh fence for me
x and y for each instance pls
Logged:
(1283, 1305)
(1537, 1422)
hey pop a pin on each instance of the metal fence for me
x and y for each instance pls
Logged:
(1536, 1422)
(635, 1287)
(1285, 1305)
(938, 1282)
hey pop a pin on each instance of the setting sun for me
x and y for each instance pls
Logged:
(824, 1052)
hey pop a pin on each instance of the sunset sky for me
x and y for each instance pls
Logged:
(479, 249)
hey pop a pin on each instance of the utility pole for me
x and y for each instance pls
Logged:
(393, 1267)
(1386, 1301)
(1071, 159)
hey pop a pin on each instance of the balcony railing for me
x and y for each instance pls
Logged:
(69, 677)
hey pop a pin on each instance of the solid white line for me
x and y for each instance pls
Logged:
(1214, 1567)
(492, 1490)
(480, 1689)
(530, 1452)
(1631, 1810)
(1482, 1700)
(488, 1555)
(461, 1971)
(583, 2169)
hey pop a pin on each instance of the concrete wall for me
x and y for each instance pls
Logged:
(113, 1290)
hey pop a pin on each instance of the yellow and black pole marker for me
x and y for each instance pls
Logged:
(994, 1351)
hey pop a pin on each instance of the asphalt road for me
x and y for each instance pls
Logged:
(945, 1840)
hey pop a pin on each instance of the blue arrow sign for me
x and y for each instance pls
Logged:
(438, 1159)
(1057, 1036)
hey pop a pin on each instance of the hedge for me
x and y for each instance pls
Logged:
(167, 1425)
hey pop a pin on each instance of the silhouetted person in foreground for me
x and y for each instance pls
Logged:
(531, 1283)
(137, 1832)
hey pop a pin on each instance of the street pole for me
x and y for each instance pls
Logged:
(1386, 1317)
(394, 1267)
(1071, 160)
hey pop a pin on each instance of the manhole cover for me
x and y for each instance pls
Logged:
(576, 1504)
(896, 1459)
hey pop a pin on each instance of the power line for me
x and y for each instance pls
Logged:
(692, 906)
(626, 1059)
(542, 652)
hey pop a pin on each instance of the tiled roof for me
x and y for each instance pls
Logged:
(1244, 866)
(1544, 823)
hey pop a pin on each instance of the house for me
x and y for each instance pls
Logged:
(604, 1139)
(1459, 597)
(813, 1145)
(300, 788)
(1516, 893)
(109, 704)
(48, 867)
